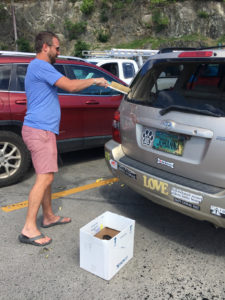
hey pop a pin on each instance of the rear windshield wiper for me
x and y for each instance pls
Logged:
(191, 110)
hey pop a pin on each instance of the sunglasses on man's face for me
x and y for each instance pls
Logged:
(56, 48)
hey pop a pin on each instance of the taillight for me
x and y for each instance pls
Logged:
(196, 54)
(116, 127)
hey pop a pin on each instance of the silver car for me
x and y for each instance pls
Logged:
(169, 133)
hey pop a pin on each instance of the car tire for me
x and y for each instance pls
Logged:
(14, 158)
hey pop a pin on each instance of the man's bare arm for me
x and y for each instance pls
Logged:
(76, 85)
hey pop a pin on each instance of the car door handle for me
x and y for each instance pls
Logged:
(21, 102)
(92, 102)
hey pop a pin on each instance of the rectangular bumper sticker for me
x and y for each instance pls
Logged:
(217, 211)
(186, 196)
(127, 172)
(188, 204)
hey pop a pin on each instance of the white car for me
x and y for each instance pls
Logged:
(125, 69)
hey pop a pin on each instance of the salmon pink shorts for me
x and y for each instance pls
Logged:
(43, 149)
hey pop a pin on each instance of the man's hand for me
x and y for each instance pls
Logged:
(101, 82)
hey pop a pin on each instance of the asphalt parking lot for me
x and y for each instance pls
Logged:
(175, 257)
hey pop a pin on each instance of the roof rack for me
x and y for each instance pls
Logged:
(138, 54)
(119, 53)
(171, 49)
(16, 53)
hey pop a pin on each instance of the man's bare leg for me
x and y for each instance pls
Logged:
(42, 183)
(48, 215)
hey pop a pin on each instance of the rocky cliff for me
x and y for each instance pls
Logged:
(103, 24)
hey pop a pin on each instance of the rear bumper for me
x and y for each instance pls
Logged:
(197, 200)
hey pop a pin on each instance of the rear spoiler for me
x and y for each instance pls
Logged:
(171, 49)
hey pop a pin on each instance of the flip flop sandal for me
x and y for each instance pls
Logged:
(26, 240)
(59, 222)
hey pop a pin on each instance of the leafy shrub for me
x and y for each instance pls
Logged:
(104, 8)
(119, 4)
(75, 29)
(79, 47)
(159, 20)
(203, 15)
(3, 47)
(154, 3)
(24, 45)
(103, 16)
(157, 2)
(102, 36)
(221, 40)
(87, 7)
(104, 4)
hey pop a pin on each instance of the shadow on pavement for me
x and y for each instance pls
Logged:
(67, 158)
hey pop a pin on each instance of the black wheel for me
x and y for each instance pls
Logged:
(14, 158)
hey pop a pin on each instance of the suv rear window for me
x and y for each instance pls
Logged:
(195, 86)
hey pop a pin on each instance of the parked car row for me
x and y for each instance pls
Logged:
(168, 135)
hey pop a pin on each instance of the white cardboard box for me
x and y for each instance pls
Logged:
(105, 258)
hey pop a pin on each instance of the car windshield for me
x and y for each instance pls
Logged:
(196, 87)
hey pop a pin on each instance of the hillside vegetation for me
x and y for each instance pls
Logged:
(106, 24)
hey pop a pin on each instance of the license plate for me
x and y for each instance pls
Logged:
(169, 142)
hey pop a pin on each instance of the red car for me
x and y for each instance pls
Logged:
(86, 116)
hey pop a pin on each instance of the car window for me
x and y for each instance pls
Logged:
(205, 77)
(60, 68)
(4, 77)
(167, 78)
(21, 70)
(188, 85)
(128, 70)
(84, 72)
(20, 77)
(112, 68)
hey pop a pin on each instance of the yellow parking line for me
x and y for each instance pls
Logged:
(93, 185)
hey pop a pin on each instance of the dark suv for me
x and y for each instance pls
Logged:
(85, 120)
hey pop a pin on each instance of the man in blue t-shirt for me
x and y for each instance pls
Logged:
(41, 124)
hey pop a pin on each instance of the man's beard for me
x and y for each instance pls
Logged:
(52, 58)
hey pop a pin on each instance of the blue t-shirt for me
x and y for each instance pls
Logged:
(43, 108)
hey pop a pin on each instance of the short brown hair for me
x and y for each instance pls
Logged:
(44, 37)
